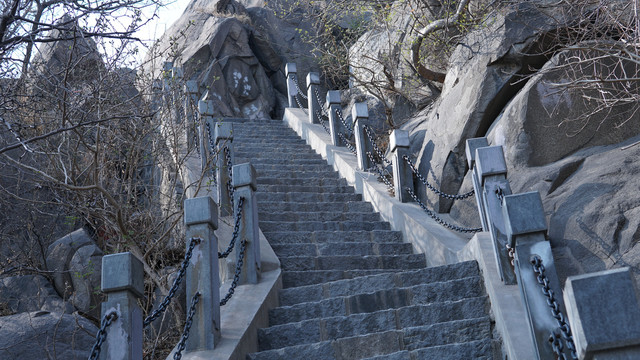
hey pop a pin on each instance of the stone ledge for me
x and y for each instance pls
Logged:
(439, 245)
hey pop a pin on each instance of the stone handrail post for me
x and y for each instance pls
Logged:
(604, 311)
(190, 102)
(177, 76)
(205, 108)
(315, 107)
(223, 134)
(526, 227)
(360, 115)
(472, 145)
(244, 183)
(201, 220)
(335, 126)
(490, 174)
(123, 282)
(402, 175)
(292, 90)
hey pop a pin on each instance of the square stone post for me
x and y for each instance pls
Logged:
(472, 145)
(205, 108)
(491, 172)
(315, 107)
(224, 138)
(123, 282)
(360, 115)
(604, 313)
(402, 175)
(244, 182)
(292, 90)
(201, 220)
(335, 126)
(525, 227)
(190, 102)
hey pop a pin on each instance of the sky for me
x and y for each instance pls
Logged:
(166, 17)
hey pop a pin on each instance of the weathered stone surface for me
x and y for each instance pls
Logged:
(59, 255)
(85, 269)
(45, 335)
(29, 293)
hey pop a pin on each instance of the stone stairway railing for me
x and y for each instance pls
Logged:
(121, 332)
(597, 314)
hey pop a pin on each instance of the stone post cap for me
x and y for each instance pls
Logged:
(243, 175)
(313, 78)
(490, 161)
(177, 73)
(223, 131)
(167, 65)
(205, 107)
(191, 87)
(523, 214)
(604, 311)
(122, 271)
(333, 97)
(290, 68)
(359, 110)
(201, 210)
(398, 138)
(472, 146)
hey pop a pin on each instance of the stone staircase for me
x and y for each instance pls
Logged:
(352, 288)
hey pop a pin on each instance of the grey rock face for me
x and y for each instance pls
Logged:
(31, 293)
(45, 335)
(59, 255)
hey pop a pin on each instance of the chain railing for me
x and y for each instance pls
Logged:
(438, 219)
(424, 181)
(236, 275)
(382, 172)
(236, 230)
(102, 334)
(229, 162)
(187, 327)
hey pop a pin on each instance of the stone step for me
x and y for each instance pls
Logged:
(338, 206)
(335, 327)
(274, 148)
(306, 189)
(302, 278)
(447, 291)
(352, 248)
(272, 137)
(323, 225)
(275, 161)
(257, 156)
(373, 283)
(347, 262)
(293, 167)
(302, 182)
(303, 196)
(479, 349)
(294, 216)
(296, 237)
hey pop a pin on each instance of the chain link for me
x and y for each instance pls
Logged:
(370, 134)
(347, 143)
(295, 81)
(322, 108)
(236, 276)
(344, 122)
(227, 156)
(102, 334)
(440, 220)
(380, 171)
(187, 327)
(556, 345)
(300, 104)
(236, 229)
(431, 187)
(323, 122)
(512, 255)
(543, 280)
(176, 283)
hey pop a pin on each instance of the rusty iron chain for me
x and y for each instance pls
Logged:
(187, 327)
(440, 220)
(102, 334)
(176, 283)
(236, 276)
(433, 188)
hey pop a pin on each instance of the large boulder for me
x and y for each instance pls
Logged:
(29, 293)
(46, 335)
(59, 255)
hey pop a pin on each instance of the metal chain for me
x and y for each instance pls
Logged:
(295, 81)
(369, 132)
(300, 104)
(347, 144)
(512, 255)
(187, 327)
(343, 121)
(543, 280)
(431, 187)
(236, 276)
(176, 283)
(236, 229)
(323, 122)
(227, 156)
(556, 345)
(324, 110)
(440, 220)
(102, 334)
(380, 171)
(211, 143)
